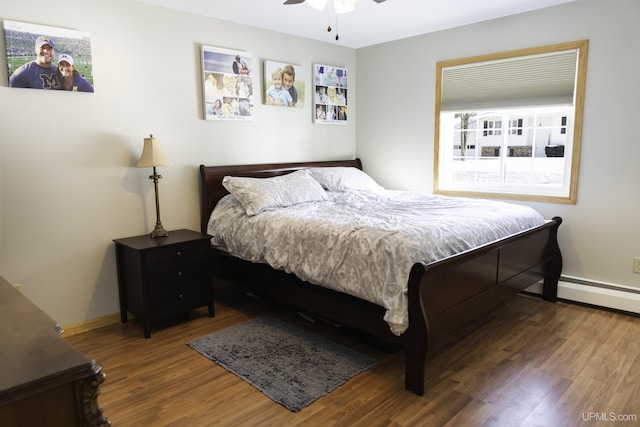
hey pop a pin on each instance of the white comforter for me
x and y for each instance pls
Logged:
(362, 243)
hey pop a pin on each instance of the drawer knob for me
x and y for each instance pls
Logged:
(179, 273)
(180, 296)
(178, 253)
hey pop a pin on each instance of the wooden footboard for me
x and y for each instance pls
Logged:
(443, 295)
(447, 294)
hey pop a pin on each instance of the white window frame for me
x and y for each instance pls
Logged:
(567, 192)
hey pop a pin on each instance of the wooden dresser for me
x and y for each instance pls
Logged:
(44, 381)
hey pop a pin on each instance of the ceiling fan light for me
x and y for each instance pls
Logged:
(317, 4)
(344, 6)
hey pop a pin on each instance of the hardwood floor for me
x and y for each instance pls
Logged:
(531, 363)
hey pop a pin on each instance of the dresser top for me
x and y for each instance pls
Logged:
(33, 356)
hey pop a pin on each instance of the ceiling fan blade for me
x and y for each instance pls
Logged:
(295, 1)
(379, 1)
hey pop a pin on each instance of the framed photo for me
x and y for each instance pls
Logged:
(283, 84)
(330, 94)
(227, 82)
(51, 58)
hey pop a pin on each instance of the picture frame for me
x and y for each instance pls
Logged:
(289, 90)
(227, 84)
(50, 58)
(330, 94)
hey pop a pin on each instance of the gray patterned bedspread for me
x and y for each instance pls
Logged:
(362, 243)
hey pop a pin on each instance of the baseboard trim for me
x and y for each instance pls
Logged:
(89, 325)
(599, 294)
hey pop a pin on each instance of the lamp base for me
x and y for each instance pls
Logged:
(159, 231)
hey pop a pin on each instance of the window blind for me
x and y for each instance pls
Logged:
(525, 81)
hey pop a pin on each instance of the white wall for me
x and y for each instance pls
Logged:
(396, 100)
(68, 187)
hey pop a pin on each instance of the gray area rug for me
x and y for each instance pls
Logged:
(292, 366)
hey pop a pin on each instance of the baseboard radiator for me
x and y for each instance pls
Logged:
(600, 294)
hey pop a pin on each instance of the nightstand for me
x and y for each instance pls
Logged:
(164, 276)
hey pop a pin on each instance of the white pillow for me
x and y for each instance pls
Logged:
(260, 194)
(344, 179)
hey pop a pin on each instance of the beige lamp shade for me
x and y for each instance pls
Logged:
(152, 154)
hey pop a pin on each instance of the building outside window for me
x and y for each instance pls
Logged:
(533, 146)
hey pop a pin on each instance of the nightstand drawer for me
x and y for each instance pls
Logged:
(179, 285)
(175, 254)
(174, 296)
(180, 275)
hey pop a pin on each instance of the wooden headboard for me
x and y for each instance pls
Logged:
(211, 189)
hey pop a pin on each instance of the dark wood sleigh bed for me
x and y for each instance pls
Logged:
(443, 295)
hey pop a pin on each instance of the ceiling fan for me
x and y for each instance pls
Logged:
(320, 4)
(324, 1)
(339, 7)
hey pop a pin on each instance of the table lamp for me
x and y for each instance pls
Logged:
(153, 156)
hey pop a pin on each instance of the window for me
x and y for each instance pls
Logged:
(492, 128)
(515, 127)
(509, 124)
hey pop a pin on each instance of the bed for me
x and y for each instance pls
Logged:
(442, 296)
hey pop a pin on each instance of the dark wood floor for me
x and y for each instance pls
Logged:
(531, 363)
